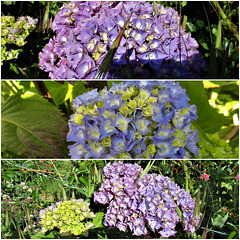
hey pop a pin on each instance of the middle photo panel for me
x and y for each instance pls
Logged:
(142, 119)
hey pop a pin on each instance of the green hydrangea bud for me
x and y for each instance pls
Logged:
(68, 216)
(14, 32)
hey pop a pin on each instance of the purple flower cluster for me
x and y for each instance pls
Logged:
(155, 46)
(137, 119)
(153, 202)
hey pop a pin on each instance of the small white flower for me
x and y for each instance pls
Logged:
(5, 196)
(11, 181)
(22, 184)
(29, 198)
(30, 190)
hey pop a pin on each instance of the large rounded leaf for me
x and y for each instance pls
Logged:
(32, 126)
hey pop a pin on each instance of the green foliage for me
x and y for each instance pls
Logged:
(211, 146)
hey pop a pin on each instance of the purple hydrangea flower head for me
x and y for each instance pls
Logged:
(150, 202)
(155, 46)
(134, 119)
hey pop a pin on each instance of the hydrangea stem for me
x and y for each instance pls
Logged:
(42, 90)
(187, 176)
(57, 171)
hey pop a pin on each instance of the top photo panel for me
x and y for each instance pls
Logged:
(119, 40)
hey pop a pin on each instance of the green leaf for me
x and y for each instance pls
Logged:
(219, 36)
(71, 179)
(209, 120)
(184, 3)
(191, 27)
(7, 178)
(32, 126)
(97, 221)
(57, 91)
(204, 45)
(14, 68)
(35, 194)
(200, 23)
(83, 180)
(146, 170)
(78, 89)
(45, 20)
(219, 220)
(232, 234)
(40, 235)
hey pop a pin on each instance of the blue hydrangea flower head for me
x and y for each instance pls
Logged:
(155, 46)
(134, 119)
(153, 202)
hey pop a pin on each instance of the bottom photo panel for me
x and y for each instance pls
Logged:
(115, 199)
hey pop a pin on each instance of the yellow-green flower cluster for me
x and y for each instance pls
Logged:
(68, 216)
(14, 32)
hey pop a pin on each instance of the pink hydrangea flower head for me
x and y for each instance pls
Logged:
(204, 176)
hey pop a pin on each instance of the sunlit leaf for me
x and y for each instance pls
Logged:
(209, 120)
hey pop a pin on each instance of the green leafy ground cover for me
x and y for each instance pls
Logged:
(29, 186)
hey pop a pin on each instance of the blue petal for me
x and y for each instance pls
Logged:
(87, 98)
(121, 123)
(95, 149)
(142, 125)
(164, 133)
(157, 110)
(75, 134)
(106, 129)
(92, 132)
(118, 144)
(166, 148)
(77, 151)
(191, 143)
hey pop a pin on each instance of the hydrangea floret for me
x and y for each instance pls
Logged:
(152, 46)
(152, 202)
(14, 32)
(133, 119)
(71, 216)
